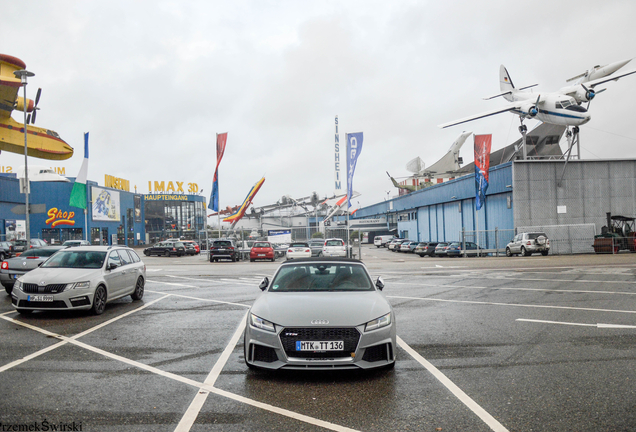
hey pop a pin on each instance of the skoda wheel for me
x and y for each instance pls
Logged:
(139, 289)
(508, 253)
(99, 300)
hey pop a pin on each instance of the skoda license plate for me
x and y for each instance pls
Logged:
(319, 346)
(40, 298)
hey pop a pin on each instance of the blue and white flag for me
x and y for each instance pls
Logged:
(354, 148)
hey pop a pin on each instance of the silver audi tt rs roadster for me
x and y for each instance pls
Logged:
(320, 313)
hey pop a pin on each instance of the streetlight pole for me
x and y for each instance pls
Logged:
(23, 74)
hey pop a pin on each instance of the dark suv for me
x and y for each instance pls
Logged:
(223, 249)
(166, 248)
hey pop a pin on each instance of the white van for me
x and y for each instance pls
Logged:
(381, 241)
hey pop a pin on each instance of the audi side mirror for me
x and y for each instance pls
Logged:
(379, 284)
(111, 266)
(264, 284)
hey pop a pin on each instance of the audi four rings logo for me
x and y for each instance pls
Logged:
(320, 322)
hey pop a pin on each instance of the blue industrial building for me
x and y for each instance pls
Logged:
(569, 203)
(113, 216)
(441, 212)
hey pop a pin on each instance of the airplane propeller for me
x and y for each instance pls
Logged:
(590, 93)
(534, 110)
(31, 117)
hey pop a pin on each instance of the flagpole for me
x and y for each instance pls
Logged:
(218, 209)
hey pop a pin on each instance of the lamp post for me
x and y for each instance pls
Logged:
(23, 74)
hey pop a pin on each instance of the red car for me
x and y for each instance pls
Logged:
(262, 251)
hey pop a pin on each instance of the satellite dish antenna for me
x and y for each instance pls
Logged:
(415, 165)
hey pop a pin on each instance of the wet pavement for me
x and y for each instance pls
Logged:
(504, 344)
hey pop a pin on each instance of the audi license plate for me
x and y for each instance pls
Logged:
(40, 298)
(319, 346)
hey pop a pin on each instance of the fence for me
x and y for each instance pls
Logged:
(566, 239)
(492, 241)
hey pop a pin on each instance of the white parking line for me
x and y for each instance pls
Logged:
(514, 289)
(459, 393)
(172, 284)
(59, 344)
(515, 305)
(210, 388)
(598, 325)
(193, 410)
(200, 299)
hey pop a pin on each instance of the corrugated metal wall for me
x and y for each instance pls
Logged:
(588, 191)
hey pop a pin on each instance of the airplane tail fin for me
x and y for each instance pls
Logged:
(505, 82)
(395, 183)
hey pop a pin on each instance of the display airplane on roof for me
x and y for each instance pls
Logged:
(559, 108)
(41, 143)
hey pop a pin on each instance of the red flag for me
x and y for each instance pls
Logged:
(482, 167)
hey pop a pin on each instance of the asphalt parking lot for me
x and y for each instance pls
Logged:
(485, 344)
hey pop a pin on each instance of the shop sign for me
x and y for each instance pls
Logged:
(116, 183)
(7, 169)
(166, 197)
(58, 217)
(170, 187)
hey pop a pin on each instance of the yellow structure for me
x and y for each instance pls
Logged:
(41, 143)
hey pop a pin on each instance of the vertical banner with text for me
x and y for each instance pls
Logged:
(354, 148)
(482, 167)
(221, 139)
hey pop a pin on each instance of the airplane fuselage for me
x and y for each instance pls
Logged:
(41, 143)
(552, 108)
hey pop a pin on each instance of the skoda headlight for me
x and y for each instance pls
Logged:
(260, 323)
(377, 323)
(80, 285)
(17, 285)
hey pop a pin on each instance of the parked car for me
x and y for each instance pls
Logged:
(6, 250)
(262, 250)
(83, 277)
(425, 248)
(394, 245)
(320, 313)
(195, 246)
(280, 249)
(224, 249)
(189, 248)
(455, 249)
(71, 243)
(19, 246)
(334, 247)
(528, 243)
(441, 248)
(316, 246)
(408, 246)
(298, 250)
(12, 268)
(382, 240)
(166, 248)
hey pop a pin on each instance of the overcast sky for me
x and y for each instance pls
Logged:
(154, 81)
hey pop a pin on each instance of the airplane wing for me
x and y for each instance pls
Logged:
(596, 82)
(9, 83)
(507, 108)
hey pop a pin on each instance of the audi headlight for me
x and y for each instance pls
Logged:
(80, 285)
(377, 323)
(262, 324)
